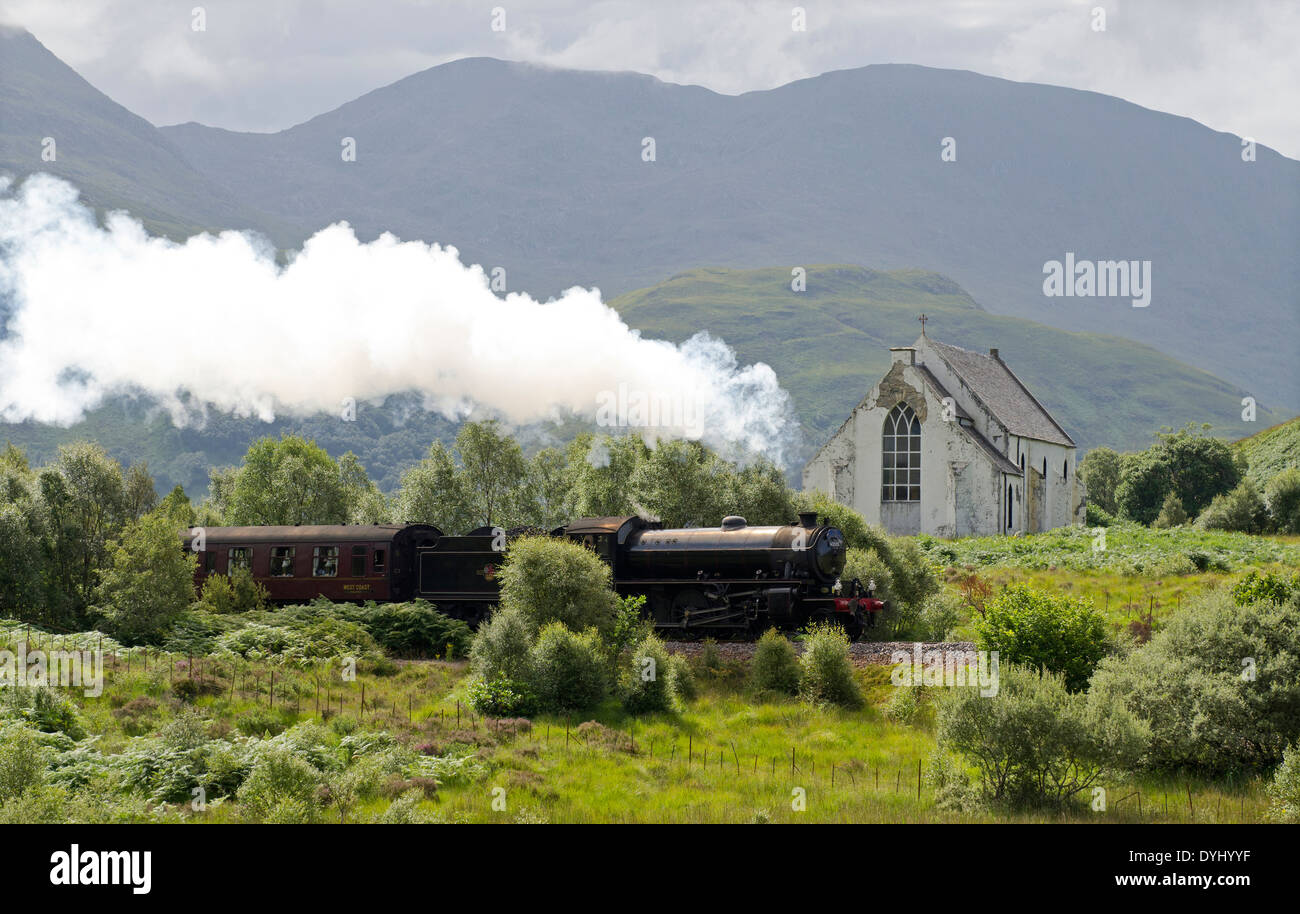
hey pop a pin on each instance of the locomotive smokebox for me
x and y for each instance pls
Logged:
(808, 519)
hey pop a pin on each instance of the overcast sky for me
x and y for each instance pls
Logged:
(269, 64)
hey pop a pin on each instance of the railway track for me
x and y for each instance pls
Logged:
(862, 653)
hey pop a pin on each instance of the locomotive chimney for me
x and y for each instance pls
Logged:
(808, 519)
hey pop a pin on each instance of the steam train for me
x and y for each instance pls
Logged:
(734, 579)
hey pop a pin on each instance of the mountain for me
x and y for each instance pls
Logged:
(117, 159)
(540, 170)
(830, 344)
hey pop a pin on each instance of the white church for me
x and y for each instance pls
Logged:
(951, 443)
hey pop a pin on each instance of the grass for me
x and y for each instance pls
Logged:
(726, 757)
(1269, 452)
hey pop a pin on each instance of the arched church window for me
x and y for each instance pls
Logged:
(1010, 517)
(901, 455)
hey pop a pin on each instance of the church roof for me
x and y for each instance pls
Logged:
(1002, 393)
(999, 459)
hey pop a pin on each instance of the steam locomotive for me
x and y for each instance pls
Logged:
(734, 579)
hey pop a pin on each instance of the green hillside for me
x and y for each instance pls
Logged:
(830, 343)
(1271, 451)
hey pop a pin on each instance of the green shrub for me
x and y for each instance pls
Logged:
(1097, 516)
(500, 697)
(683, 678)
(502, 648)
(260, 721)
(775, 668)
(238, 592)
(826, 674)
(1241, 510)
(557, 580)
(415, 629)
(1035, 742)
(1283, 497)
(1219, 686)
(1269, 586)
(647, 682)
(23, 762)
(940, 614)
(1033, 628)
(1171, 513)
(281, 787)
(904, 706)
(569, 668)
(1284, 792)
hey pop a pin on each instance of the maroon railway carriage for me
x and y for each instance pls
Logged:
(296, 564)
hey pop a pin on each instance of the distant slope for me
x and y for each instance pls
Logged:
(831, 343)
(116, 159)
(540, 170)
(1271, 451)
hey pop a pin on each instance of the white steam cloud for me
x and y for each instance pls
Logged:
(96, 310)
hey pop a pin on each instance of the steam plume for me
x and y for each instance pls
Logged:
(101, 310)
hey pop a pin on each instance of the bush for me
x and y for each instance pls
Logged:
(415, 629)
(826, 675)
(557, 580)
(260, 722)
(1099, 471)
(237, 592)
(1271, 587)
(1284, 792)
(1097, 516)
(23, 762)
(683, 678)
(903, 576)
(502, 649)
(904, 706)
(647, 683)
(281, 787)
(1055, 633)
(569, 668)
(500, 697)
(43, 708)
(775, 668)
(1035, 742)
(1171, 513)
(1219, 686)
(1241, 510)
(940, 614)
(1283, 497)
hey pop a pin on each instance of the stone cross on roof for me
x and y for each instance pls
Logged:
(923, 319)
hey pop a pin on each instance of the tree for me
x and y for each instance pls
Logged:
(1200, 467)
(432, 492)
(1171, 512)
(20, 564)
(84, 498)
(1100, 474)
(758, 493)
(1145, 478)
(601, 470)
(365, 504)
(139, 494)
(150, 581)
(682, 483)
(495, 474)
(551, 488)
(290, 481)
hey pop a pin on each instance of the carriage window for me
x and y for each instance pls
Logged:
(358, 561)
(282, 561)
(209, 562)
(901, 451)
(240, 557)
(325, 562)
(379, 560)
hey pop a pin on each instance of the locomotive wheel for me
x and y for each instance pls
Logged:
(687, 601)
